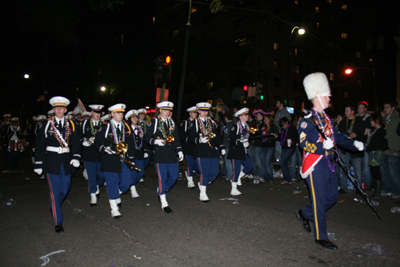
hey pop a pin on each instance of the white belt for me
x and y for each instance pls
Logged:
(59, 150)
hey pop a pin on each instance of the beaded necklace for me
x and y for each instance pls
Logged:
(370, 136)
(205, 127)
(350, 129)
(165, 132)
(265, 132)
(140, 135)
(92, 129)
(144, 125)
(59, 136)
(244, 130)
(283, 140)
(327, 130)
(387, 122)
(116, 136)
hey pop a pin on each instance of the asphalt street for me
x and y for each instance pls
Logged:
(257, 229)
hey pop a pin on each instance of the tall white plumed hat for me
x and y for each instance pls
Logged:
(316, 84)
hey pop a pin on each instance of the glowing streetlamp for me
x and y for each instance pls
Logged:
(26, 76)
(350, 71)
(102, 88)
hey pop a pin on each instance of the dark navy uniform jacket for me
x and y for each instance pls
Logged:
(90, 153)
(205, 150)
(105, 134)
(167, 153)
(184, 131)
(51, 161)
(236, 148)
(138, 147)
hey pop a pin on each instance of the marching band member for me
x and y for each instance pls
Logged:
(238, 144)
(15, 146)
(117, 173)
(317, 138)
(56, 141)
(188, 147)
(204, 134)
(142, 112)
(106, 118)
(90, 155)
(50, 113)
(4, 142)
(137, 151)
(86, 115)
(163, 135)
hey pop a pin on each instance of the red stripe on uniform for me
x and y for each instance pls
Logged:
(159, 180)
(233, 167)
(201, 172)
(53, 204)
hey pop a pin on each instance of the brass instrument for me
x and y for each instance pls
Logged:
(253, 130)
(210, 135)
(169, 139)
(122, 148)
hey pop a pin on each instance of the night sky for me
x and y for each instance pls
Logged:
(69, 44)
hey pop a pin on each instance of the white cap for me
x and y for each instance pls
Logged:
(86, 113)
(165, 105)
(7, 115)
(142, 111)
(96, 107)
(41, 117)
(203, 106)
(192, 109)
(59, 101)
(117, 108)
(70, 113)
(316, 84)
(132, 112)
(79, 112)
(50, 112)
(105, 117)
(243, 111)
(14, 119)
(69, 117)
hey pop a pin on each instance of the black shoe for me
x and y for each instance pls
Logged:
(167, 210)
(93, 205)
(59, 228)
(341, 191)
(117, 217)
(304, 221)
(326, 244)
(119, 205)
(205, 201)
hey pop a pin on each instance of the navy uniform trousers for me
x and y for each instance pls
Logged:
(209, 170)
(136, 176)
(323, 187)
(118, 181)
(167, 174)
(237, 165)
(191, 165)
(59, 185)
(95, 175)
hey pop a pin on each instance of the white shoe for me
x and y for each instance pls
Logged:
(203, 194)
(163, 200)
(114, 209)
(42, 177)
(241, 174)
(118, 200)
(93, 199)
(134, 193)
(98, 190)
(234, 190)
(277, 174)
(85, 174)
(190, 182)
(141, 180)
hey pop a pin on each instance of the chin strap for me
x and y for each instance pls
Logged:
(322, 105)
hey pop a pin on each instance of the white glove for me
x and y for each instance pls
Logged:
(75, 163)
(86, 143)
(246, 144)
(38, 171)
(159, 142)
(328, 143)
(108, 150)
(359, 145)
(204, 140)
(146, 155)
(223, 152)
(180, 155)
(245, 140)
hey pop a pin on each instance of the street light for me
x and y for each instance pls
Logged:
(350, 71)
(300, 31)
(26, 76)
(102, 88)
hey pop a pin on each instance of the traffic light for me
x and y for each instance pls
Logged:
(261, 97)
(163, 70)
(245, 88)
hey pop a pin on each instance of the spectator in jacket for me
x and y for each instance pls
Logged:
(288, 141)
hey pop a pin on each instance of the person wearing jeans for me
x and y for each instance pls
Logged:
(271, 132)
(288, 142)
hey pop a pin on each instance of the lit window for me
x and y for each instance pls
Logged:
(358, 54)
(276, 46)
(154, 19)
(194, 9)
(316, 9)
(210, 85)
(329, 1)
(317, 25)
(277, 64)
(344, 35)
(296, 68)
(296, 2)
(296, 51)
(175, 33)
(344, 7)
(331, 76)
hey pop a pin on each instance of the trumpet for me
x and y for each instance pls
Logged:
(169, 139)
(253, 130)
(210, 135)
(122, 148)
